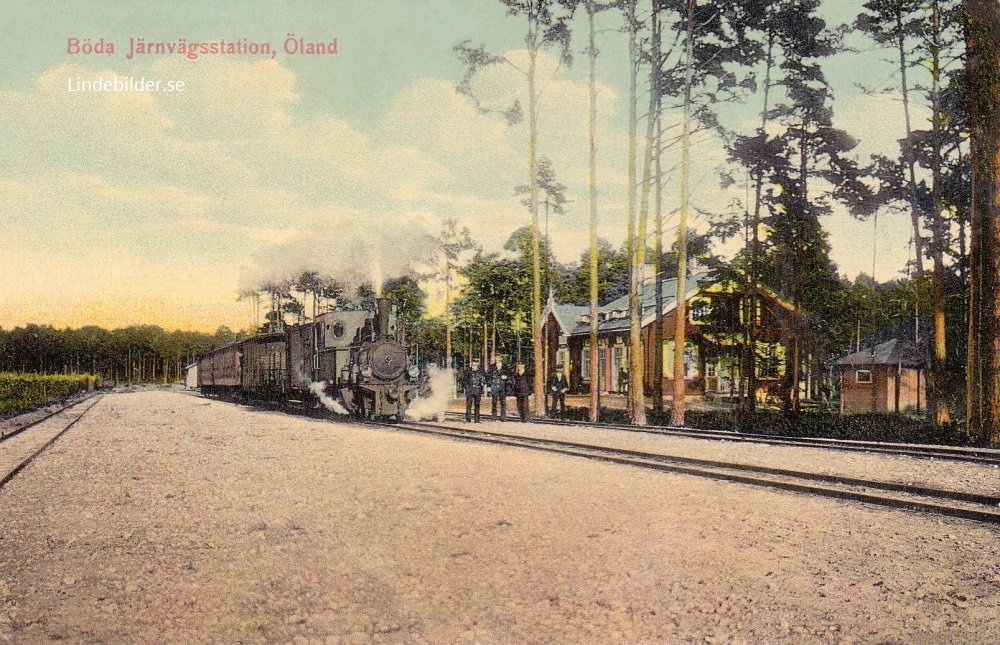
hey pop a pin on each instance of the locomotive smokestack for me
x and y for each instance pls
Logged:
(383, 316)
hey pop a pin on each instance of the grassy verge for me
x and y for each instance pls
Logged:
(19, 392)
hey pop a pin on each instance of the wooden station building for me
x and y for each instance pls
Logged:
(715, 313)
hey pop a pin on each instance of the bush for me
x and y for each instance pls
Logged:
(889, 428)
(19, 392)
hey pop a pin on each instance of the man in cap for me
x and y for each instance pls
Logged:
(475, 381)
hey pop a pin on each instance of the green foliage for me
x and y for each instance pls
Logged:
(19, 392)
(612, 277)
(410, 301)
(364, 297)
(889, 428)
(427, 340)
(121, 354)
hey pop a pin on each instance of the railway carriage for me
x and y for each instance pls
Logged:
(265, 367)
(219, 371)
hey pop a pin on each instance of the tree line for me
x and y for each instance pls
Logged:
(139, 353)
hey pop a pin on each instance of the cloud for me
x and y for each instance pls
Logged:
(236, 178)
(431, 116)
(877, 121)
(348, 246)
(227, 173)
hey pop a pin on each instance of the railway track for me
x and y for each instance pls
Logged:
(21, 444)
(10, 432)
(981, 508)
(986, 456)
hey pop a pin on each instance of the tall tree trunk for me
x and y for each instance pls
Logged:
(936, 402)
(749, 368)
(983, 375)
(908, 149)
(493, 338)
(794, 404)
(637, 359)
(658, 250)
(536, 269)
(592, 133)
(635, 243)
(447, 314)
(680, 312)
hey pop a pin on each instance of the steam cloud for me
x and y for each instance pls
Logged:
(442, 382)
(351, 248)
(319, 389)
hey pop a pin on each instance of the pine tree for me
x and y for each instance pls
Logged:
(544, 29)
(807, 151)
(983, 375)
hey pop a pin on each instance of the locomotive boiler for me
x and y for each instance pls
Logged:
(357, 358)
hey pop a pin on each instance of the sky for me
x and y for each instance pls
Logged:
(121, 208)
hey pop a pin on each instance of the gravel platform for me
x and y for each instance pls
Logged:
(946, 474)
(165, 518)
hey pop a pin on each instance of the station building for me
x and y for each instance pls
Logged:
(715, 312)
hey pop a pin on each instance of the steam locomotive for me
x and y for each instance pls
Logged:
(350, 361)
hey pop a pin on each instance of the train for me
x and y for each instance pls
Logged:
(350, 361)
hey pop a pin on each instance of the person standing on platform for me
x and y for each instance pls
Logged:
(475, 381)
(522, 390)
(499, 382)
(558, 386)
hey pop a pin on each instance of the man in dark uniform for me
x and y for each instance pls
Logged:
(558, 386)
(475, 381)
(499, 380)
(522, 390)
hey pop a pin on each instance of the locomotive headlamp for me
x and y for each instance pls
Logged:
(366, 371)
(413, 371)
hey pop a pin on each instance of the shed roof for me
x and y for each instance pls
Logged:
(897, 351)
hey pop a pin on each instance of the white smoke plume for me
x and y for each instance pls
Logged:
(351, 247)
(442, 382)
(319, 389)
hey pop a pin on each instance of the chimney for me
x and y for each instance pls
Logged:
(382, 316)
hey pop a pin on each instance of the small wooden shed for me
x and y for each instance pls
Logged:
(888, 377)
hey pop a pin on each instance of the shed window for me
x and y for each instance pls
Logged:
(864, 376)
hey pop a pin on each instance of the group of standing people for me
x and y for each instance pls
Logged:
(500, 384)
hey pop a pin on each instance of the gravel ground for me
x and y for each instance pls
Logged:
(164, 518)
(936, 473)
